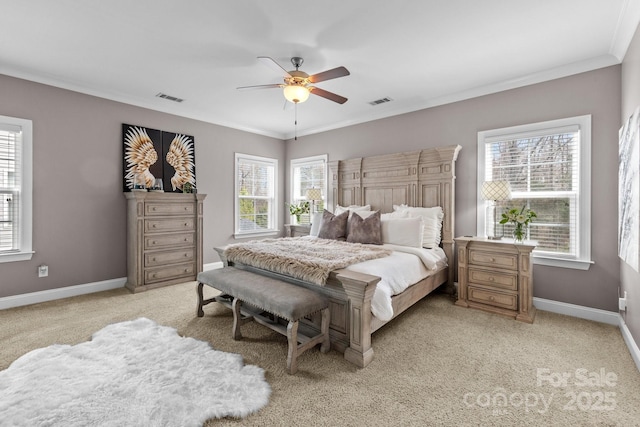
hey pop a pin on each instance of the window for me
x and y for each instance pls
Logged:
(256, 211)
(307, 173)
(15, 189)
(548, 168)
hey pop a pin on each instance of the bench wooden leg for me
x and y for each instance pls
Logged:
(199, 311)
(324, 330)
(292, 356)
(237, 319)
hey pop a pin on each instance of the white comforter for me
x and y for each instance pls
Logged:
(404, 267)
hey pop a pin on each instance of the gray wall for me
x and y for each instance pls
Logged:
(630, 100)
(79, 211)
(596, 93)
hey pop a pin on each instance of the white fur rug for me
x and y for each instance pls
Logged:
(134, 373)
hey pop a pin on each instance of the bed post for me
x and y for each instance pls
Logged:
(359, 288)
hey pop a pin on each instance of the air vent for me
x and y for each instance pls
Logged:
(381, 101)
(169, 97)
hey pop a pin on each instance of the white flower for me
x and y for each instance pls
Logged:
(521, 219)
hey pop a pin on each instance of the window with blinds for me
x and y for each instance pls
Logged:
(548, 168)
(255, 183)
(308, 173)
(15, 189)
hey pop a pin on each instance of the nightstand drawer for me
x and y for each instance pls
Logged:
(505, 281)
(493, 259)
(164, 209)
(168, 224)
(154, 259)
(496, 299)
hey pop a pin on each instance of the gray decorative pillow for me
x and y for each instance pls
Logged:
(365, 230)
(333, 226)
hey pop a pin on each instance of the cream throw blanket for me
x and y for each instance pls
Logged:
(307, 259)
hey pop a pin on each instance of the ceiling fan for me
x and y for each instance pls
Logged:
(298, 84)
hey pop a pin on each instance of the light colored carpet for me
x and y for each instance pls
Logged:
(437, 364)
(133, 373)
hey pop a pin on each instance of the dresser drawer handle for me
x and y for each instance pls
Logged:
(154, 226)
(491, 278)
(154, 242)
(153, 209)
(186, 254)
(186, 240)
(186, 208)
(154, 259)
(492, 298)
(492, 259)
(186, 224)
(186, 270)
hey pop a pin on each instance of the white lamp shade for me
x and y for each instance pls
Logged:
(296, 93)
(496, 190)
(314, 194)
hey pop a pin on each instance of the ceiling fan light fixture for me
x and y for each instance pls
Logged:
(296, 93)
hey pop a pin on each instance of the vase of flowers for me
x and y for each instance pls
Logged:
(520, 218)
(298, 210)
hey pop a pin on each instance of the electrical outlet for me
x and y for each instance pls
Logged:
(622, 302)
(43, 270)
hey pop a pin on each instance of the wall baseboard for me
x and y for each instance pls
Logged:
(631, 344)
(66, 292)
(72, 291)
(597, 315)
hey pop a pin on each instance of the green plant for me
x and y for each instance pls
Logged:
(520, 220)
(299, 209)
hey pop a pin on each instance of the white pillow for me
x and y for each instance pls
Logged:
(353, 208)
(432, 218)
(364, 214)
(316, 221)
(402, 231)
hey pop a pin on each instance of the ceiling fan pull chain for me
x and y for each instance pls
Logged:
(295, 122)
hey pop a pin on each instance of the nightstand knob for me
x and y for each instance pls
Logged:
(491, 279)
(492, 298)
(492, 259)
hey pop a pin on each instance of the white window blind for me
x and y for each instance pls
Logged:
(307, 173)
(546, 167)
(15, 189)
(255, 184)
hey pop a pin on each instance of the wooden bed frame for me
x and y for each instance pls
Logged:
(419, 178)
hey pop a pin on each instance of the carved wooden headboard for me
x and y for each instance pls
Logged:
(418, 178)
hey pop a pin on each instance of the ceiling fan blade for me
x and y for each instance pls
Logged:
(329, 74)
(329, 95)
(260, 86)
(269, 62)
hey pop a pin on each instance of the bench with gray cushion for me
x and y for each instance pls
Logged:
(276, 297)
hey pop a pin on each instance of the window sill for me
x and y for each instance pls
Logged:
(16, 256)
(256, 234)
(562, 263)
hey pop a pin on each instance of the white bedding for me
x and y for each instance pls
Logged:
(404, 267)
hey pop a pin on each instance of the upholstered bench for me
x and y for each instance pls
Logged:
(273, 296)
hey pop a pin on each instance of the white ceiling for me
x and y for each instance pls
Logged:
(420, 53)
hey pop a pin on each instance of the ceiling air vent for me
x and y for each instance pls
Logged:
(169, 97)
(381, 101)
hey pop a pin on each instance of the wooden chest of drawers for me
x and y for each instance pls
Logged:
(164, 239)
(496, 276)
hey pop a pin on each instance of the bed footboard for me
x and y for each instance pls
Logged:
(359, 288)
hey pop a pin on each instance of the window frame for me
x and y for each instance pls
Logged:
(583, 260)
(303, 161)
(273, 215)
(25, 217)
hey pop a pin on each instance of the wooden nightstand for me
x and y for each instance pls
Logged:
(496, 276)
(295, 230)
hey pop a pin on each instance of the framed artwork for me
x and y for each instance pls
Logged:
(157, 160)
(629, 191)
